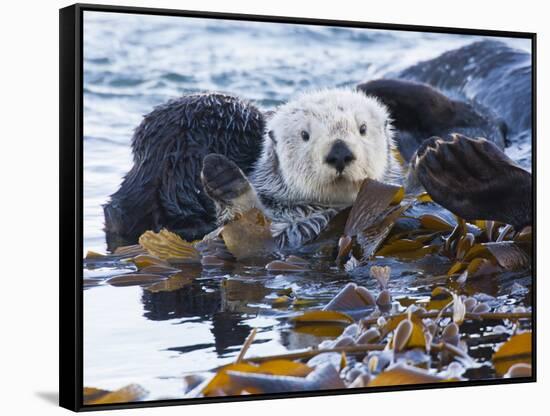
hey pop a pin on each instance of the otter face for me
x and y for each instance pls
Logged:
(328, 142)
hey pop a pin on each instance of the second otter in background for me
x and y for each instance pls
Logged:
(420, 111)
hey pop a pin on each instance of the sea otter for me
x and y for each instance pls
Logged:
(420, 111)
(162, 189)
(317, 151)
(489, 73)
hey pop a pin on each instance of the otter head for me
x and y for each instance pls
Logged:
(327, 142)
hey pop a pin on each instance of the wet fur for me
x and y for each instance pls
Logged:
(328, 115)
(488, 73)
(298, 190)
(163, 188)
(421, 111)
(291, 182)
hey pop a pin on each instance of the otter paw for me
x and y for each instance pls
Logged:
(474, 179)
(222, 179)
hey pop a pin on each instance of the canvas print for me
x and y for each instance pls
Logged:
(275, 208)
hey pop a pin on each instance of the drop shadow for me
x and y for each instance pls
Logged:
(51, 397)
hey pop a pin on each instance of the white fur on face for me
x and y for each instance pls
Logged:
(327, 116)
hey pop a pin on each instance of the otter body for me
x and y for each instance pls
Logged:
(487, 72)
(420, 111)
(163, 187)
(318, 149)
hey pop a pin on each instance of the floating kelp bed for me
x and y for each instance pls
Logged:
(396, 291)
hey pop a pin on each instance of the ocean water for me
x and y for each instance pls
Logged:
(133, 63)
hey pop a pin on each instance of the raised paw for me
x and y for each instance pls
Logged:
(222, 179)
(474, 179)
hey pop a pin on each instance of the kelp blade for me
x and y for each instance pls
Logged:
(167, 245)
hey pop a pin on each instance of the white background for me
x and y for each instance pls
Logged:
(29, 205)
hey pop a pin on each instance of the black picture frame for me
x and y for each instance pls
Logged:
(71, 201)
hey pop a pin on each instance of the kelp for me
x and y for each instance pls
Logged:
(135, 279)
(408, 334)
(223, 381)
(371, 217)
(485, 258)
(146, 260)
(519, 370)
(351, 297)
(159, 269)
(371, 238)
(129, 251)
(372, 201)
(127, 394)
(439, 299)
(175, 282)
(406, 249)
(418, 346)
(322, 378)
(320, 331)
(322, 317)
(392, 349)
(379, 334)
(248, 235)
(168, 246)
(436, 223)
(514, 351)
(285, 266)
(402, 375)
(93, 255)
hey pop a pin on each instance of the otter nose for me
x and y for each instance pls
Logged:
(339, 156)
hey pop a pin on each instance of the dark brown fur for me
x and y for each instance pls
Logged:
(487, 72)
(420, 111)
(163, 188)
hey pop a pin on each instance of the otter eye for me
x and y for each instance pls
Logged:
(363, 129)
(305, 135)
